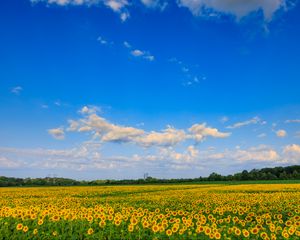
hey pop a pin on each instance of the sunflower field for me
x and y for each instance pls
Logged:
(212, 211)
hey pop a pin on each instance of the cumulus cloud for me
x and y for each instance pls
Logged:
(103, 129)
(255, 120)
(57, 133)
(122, 134)
(293, 148)
(201, 131)
(106, 131)
(179, 160)
(261, 153)
(168, 137)
(292, 153)
(258, 154)
(236, 8)
(281, 133)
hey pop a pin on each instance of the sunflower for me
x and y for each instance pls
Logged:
(25, 229)
(19, 226)
(90, 231)
(169, 232)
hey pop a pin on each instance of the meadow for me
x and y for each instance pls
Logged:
(195, 211)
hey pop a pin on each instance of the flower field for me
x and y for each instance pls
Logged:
(212, 211)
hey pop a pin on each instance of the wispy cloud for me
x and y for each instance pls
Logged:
(137, 53)
(224, 119)
(262, 135)
(142, 54)
(293, 121)
(17, 90)
(189, 74)
(8, 163)
(104, 41)
(255, 120)
(126, 44)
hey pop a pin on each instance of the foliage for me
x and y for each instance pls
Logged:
(277, 173)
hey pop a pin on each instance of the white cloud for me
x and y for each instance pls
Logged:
(261, 153)
(122, 134)
(168, 137)
(143, 54)
(103, 41)
(155, 4)
(102, 129)
(281, 133)
(200, 132)
(258, 154)
(106, 131)
(85, 156)
(189, 156)
(124, 16)
(7, 163)
(17, 90)
(236, 8)
(255, 120)
(57, 133)
(89, 109)
(137, 53)
(292, 153)
(292, 148)
(150, 3)
(118, 6)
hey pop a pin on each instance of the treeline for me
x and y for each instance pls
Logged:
(276, 173)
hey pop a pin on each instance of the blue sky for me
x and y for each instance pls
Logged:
(172, 88)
